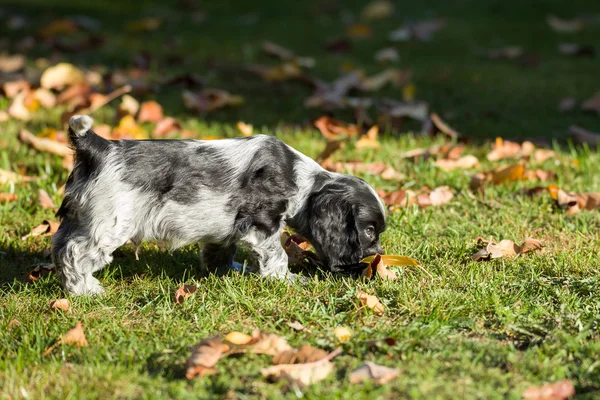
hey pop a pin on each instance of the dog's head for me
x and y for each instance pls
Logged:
(345, 219)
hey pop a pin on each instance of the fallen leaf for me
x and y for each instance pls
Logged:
(398, 198)
(244, 128)
(420, 30)
(129, 105)
(262, 343)
(61, 75)
(40, 271)
(43, 144)
(567, 104)
(592, 104)
(11, 63)
(44, 199)
(504, 149)
(369, 139)
(377, 9)
(60, 26)
(45, 97)
(12, 88)
(184, 292)
(395, 76)
(238, 338)
(394, 109)
(287, 55)
(13, 323)
(204, 357)
(574, 202)
(371, 302)
(440, 195)
(359, 31)
(507, 174)
(144, 25)
(129, 129)
(18, 109)
(551, 391)
(387, 55)
(564, 25)
(342, 334)
(373, 372)
(210, 99)
(303, 374)
(583, 136)
(541, 155)
(166, 126)
(46, 228)
(74, 336)
(278, 73)
(297, 326)
(326, 157)
(60, 304)
(505, 248)
(577, 50)
(465, 162)
(305, 354)
(150, 111)
(8, 197)
(331, 96)
(333, 129)
(505, 53)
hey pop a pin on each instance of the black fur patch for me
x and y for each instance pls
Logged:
(262, 191)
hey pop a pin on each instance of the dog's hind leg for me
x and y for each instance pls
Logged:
(77, 255)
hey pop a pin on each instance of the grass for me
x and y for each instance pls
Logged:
(476, 330)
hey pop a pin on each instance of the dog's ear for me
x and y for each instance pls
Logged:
(333, 229)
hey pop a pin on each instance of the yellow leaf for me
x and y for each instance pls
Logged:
(61, 75)
(409, 92)
(238, 338)
(507, 174)
(391, 260)
(359, 31)
(342, 334)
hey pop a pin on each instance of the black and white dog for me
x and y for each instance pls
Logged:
(217, 192)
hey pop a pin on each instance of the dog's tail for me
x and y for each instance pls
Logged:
(81, 135)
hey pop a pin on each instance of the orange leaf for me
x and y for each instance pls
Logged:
(371, 302)
(60, 304)
(184, 292)
(150, 111)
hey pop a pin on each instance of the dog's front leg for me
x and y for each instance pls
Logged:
(272, 258)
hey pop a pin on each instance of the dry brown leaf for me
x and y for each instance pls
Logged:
(40, 271)
(46, 228)
(342, 334)
(583, 136)
(592, 104)
(305, 354)
(373, 372)
(541, 155)
(12, 88)
(504, 149)
(150, 111)
(565, 25)
(43, 144)
(129, 105)
(244, 128)
(303, 374)
(210, 99)
(420, 30)
(297, 326)
(377, 9)
(369, 139)
(325, 159)
(18, 109)
(184, 292)
(574, 202)
(205, 356)
(61, 75)
(74, 336)
(45, 97)
(333, 129)
(44, 199)
(359, 31)
(265, 343)
(399, 198)
(11, 63)
(440, 195)
(506, 248)
(8, 197)
(465, 162)
(166, 126)
(371, 302)
(551, 391)
(388, 54)
(374, 83)
(60, 304)
(508, 173)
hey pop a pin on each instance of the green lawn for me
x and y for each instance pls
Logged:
(475, 330)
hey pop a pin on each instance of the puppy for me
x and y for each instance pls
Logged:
(218, 192)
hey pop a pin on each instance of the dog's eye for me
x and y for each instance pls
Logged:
(370, 232)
